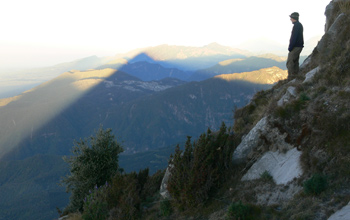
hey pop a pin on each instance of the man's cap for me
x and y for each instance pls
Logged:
(294, 15)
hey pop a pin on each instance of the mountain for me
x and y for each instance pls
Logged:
(14, 83)
(144, 115)
(262, 76)
(184, 58)
(240, 65)
(175, 58)
(49, 122)
(65, 105)
(149, 70)
(31, 184)
(180, 111)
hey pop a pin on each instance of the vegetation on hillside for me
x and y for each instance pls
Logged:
(199, 169)
(94, 162)
(197, 173)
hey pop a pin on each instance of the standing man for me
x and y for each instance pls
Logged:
(296, 44)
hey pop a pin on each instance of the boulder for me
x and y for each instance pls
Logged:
(249, 142)
(163, 187)
(310, 75)
(262, 136)
(290, 94)
(283, 167)
(342, 214)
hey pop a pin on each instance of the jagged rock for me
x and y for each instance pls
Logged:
(329, 16)
(263, 135)
(249, 142)
(290, 93)
(306, 62)
(310, 75)
(342, 214)
(331, 36)
(283, 167)
(163, 187)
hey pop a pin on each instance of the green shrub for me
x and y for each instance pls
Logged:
(165, 208)
(315, 185)
(94, 161)
(266, 176)
(124, 197)
(95, 204)
(196, 171)
(240, 211)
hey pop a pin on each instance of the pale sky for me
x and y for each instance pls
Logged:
(46, 32)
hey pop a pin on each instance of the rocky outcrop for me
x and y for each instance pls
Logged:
(311, 74)
(264, 136)
(290, 94)
(250, 141)
(342, 214)
(163, 186)
(283, 167)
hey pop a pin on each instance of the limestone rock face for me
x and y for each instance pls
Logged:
(250, 141)
(283, 167)
(310, 75)
(342, 214)
(262, 136)
(290, 93)
(163, 187)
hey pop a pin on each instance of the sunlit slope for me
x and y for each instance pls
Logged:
(262, 76)
(23, 116)
(240, 65)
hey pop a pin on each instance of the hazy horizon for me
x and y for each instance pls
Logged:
(41, 33)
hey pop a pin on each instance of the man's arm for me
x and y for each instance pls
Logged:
(293, 38)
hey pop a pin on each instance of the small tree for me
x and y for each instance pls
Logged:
(199, 169)
(94, 161)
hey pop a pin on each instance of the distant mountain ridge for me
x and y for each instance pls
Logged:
(183, 58)
(262, 76)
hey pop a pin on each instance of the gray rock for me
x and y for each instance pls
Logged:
(283, 167)
(342, 214)
(249, 142)
(262, 136)
(290, 93)
(163, 187)
(310, 75)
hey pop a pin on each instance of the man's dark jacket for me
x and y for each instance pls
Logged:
(296, 39)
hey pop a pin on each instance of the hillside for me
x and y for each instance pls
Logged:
(290, 144)
(286, 158)
(50, 123)
(49, 117)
